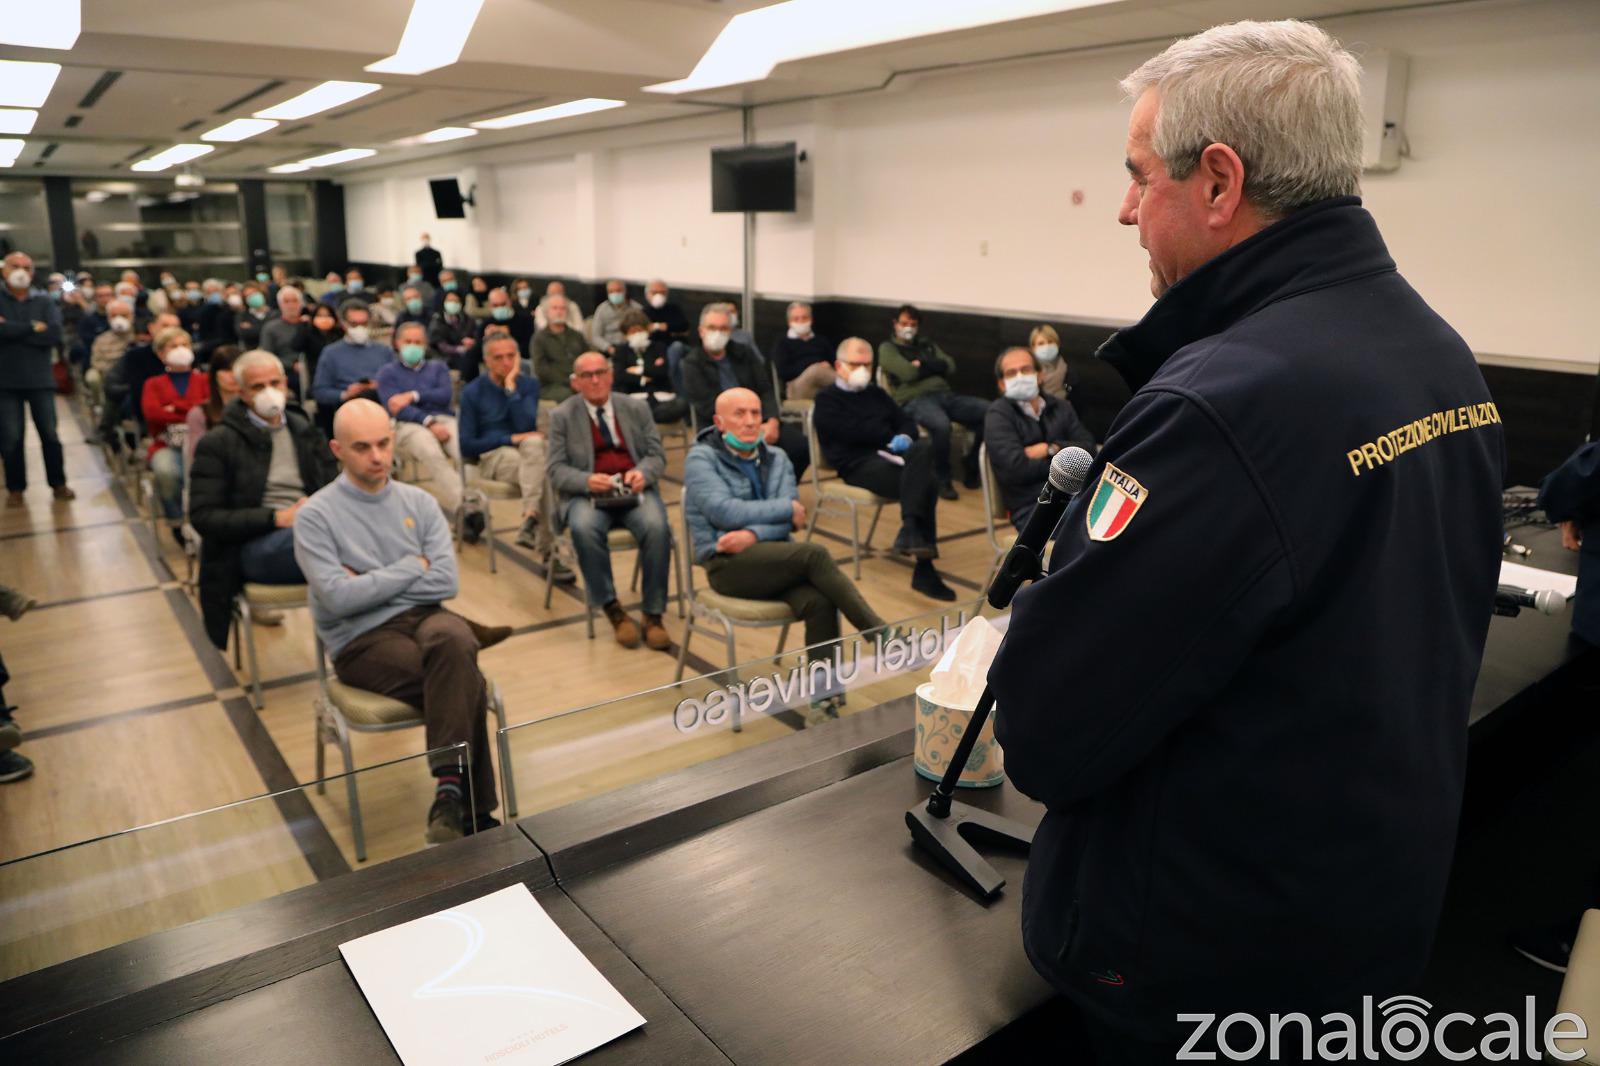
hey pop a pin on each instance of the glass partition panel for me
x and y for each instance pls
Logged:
(577, 754)
(24, 224)
(73, 900)
(151, 226)
(290, 222)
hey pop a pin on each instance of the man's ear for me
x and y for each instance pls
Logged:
(1222, 183)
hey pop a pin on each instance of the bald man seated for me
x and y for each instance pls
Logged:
(377, 557)
(743, 510)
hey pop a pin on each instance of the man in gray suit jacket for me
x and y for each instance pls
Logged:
(605, 458)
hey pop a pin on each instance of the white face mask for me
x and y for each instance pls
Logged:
(180, 359)
(638, 341)
(715, 340)
(1046, 352)
(357, 335)
(857, 379)
(658, 300)
(121, 323)
(1022, 387)
(236, 301)
(269, 403)
(799, 331)
(907, 334)
(19, 278)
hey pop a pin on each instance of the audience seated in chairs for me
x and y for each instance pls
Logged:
(286, 334)
(109, 346)
(642, 368)
(606, 327)
(506, 312)
(803, 357)
(918, 372)
(248, 322)
(1024, 429)
(453, 334)
(166, 403)
(252, 473)
(873, 444)
(1045, 343)
(348, 369)
(556, 348)
(500, 429)
(416, 391)
(665, 316)
(721, 363)
(379, 564)
(605, 459)
(743, 509)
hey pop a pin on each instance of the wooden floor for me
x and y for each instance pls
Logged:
(132, 718)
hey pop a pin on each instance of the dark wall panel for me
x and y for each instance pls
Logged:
(253, 212)
(331, 250)
(63, 227)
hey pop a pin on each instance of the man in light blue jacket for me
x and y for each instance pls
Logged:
(743, 509)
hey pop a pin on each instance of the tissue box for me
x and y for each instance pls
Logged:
(940, 729)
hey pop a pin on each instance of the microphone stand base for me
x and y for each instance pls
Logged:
(949, 840)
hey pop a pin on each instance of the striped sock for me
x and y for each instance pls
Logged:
(449, 785)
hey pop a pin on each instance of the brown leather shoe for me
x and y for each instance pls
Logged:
(64, 493)
(655, 634)
(625, 629)
(487, 636)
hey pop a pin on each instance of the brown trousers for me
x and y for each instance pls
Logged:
(428, 658)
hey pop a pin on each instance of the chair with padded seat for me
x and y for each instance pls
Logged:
(342, 709)
(483, 490)
(840, 498)
(994, 511)
(1580, 994)
(789, 410)
(254, 598)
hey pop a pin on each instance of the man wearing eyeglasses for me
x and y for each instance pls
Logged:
(605, 459)
(1023, 431)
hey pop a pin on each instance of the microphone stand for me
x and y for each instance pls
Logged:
(946, 829)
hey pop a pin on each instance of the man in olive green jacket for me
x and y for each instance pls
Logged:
(918, 371)
(555, 348)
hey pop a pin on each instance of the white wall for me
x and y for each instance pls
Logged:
(954, 189)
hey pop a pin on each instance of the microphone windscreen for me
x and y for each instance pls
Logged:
(1069, 469)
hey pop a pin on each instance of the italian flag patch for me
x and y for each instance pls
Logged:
(1117, 499)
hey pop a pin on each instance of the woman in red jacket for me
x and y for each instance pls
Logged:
(166, 403)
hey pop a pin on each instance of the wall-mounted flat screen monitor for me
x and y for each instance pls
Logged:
(753, 177)
(447, 199)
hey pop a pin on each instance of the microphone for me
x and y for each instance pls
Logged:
(1023, 563)
(1545, 601)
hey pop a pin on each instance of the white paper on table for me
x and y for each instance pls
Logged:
(494, 981)
(1531, 577)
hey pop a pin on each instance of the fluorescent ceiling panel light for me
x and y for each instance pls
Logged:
(347, 155)
(289, 168)
(10, 148)
(26, 84)
(755, 42)
(549, 114)
(178, 153)
(435, 34)
(46, 24)
(443, 133)
(17, 120)
(238, 129)
(329, 94)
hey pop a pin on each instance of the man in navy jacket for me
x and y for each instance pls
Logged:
(1242, 689)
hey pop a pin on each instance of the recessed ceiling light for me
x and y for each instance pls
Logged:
(178, 153)
(52, 24)
(289, 168)
(26, 84)
(238, 129)
(548, 114)
(17, 120)
(347, 155)
(10, 148)
(435, 34)
(329, 94)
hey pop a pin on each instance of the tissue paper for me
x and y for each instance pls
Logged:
(958, 678)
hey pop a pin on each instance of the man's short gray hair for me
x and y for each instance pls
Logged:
(289, 293)
(255, 359)
(715, 309)
(1284, 95)
(798, 305)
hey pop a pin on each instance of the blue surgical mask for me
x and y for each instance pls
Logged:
(356, 285)
(414, 306)
(412, 354)
(213, 297)
(1022, 387)
(738, 445)
(616, 298)
(193, 295)
(500, 314)
(262, 275)
(452, 307)
(449, 286)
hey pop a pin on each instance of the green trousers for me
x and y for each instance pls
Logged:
(802, 575)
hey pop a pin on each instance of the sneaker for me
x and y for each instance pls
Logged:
(655, 634)
(10, 731)
(622, 627)
(447, 820)
(472, 527)
(528, 535)
(15, 603)
(561, 573)
(1549, 947)
(487, 636)
(61, 492)
(947, 491)
(14, 766)
(930, 584)
(911, 546)
(265, 616)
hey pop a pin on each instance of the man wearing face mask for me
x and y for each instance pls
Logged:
(448, 286)
(286, 334)
(918, 372)
(416, 391)
(556, 348)
(574, 313)
(605, 327)
(642, 369)
(720, 364)
(665, 317)
(1023, 431)
(426, 290)
(349, 368)
(30, 330)
(504, 311)
(334, 294)
(250, 475)
(1045, 343)
(522, 291)
(428, 261)
(247, 323)
(166, 402)
(873, 444)
(413, 308)
(216, 319)
(803, 357)
(453, 335)
(109, 347)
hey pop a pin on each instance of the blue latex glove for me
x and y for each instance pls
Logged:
(900, 444)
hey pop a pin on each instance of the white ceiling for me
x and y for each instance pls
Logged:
(182, 69)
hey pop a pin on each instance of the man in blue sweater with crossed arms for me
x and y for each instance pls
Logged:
(379, 563)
